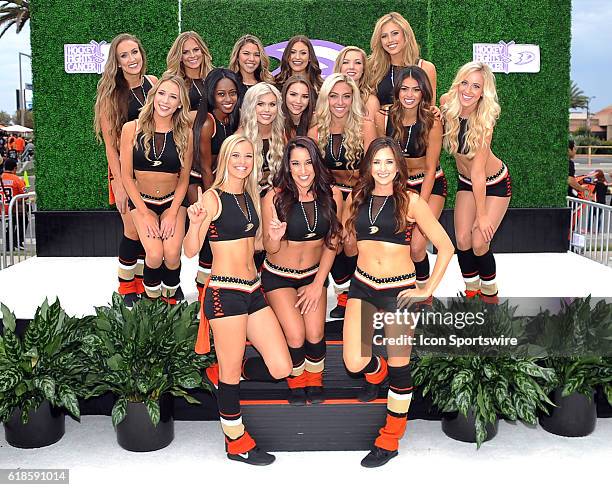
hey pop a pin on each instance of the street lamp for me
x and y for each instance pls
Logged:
(589, 114)
(22, 92)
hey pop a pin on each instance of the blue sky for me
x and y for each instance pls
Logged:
(591, 55)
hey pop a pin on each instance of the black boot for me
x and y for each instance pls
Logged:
(377, 457)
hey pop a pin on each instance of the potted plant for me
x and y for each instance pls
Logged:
(143, 356)
(41, 373)
(574, 340)
(473, 386)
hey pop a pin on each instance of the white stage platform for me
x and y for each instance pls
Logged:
(84, 282)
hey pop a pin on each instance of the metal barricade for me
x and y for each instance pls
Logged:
(590, 229)
(18, 236)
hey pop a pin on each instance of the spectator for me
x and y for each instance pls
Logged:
(573, 187)
(19, 144)
(2, 145)
(12, 186)
(11, 142)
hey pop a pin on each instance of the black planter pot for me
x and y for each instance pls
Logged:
(45, 426)
(574, 415)
(137, 433)
(460, 428)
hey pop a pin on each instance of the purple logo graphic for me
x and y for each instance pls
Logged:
(508, 57)
(326, 52)
(85, 58)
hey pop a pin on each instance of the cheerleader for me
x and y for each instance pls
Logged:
(298, 106)
(121, 93)
(380, 217)
(299, 59)
(155, 161)
(301, 216)
(190, 59)
(411, 123)
(338, 131)
(352, 61)
(217, 119)
(234, 304)
(470, 110)
(393, 47)
(250, 63)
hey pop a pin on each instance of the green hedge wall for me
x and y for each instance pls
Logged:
(71, 166)
(531, 134)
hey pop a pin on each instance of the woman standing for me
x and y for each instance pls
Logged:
(411, 123)
(380, 216)
(470, 111)
(352, 61)
(298, 106)
(216, 120)
(338, 131)
(233, 302)
(301, 216)
(121, 93)
(250, 63)
(299, 59)
(155, 163)
(190, 59)
(394, 47)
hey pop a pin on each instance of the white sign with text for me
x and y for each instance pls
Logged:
(508, 57)
(86, 58)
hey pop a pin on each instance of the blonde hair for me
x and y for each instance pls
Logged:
(262, 73)
(353, 137)
(181, 124)
(174, 60)
(112, 97)
(250, 128)
(481, 121)
(380, 61)
(251, 183)
(365, 88)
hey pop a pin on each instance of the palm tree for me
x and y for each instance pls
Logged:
(577, 98)
(15, 13)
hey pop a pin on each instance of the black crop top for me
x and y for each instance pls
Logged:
(376, 221)
(265, 148)
(335, 154)
(409, 144)
(220, 133)
(238, 218)
(306, 222)
(138, 97)
(463, 127)
(163, 156)
(384, 89)
(196, 92)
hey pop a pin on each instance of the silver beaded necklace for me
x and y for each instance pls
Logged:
(157, 157)
(372, 221)
(246, 215)
(141, 103)
(335, 158)
(408, 140)
(316, 217)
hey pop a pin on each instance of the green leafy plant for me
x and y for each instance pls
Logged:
(46, 364)
(142, 353)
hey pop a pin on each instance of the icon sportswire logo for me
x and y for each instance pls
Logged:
(326, 52)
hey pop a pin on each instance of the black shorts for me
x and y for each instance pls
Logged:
(277, 277)
(195, 178)
(498, 185)
(380, 292)
(440, 187)
(231, 296)
(158, 205)
(206, 257)
(345, 189)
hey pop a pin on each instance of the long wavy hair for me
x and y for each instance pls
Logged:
(113, 92)
(250, 128)
(174, 60)
(424, 114)
(313, 70)
(380, 60)
(353, 137)
(321, 188)
(364, 83)
(251, 183)
(207, 105)
(301, 129)
(365, 186)
(181, 124)
(481, 121)
(262, 73)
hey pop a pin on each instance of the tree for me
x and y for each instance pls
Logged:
(5, 118)
(28, 120)
(577, 98)
(15, 13)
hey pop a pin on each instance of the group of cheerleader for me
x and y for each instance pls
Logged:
(277, 183)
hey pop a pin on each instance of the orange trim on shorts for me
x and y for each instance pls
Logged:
(202, 345)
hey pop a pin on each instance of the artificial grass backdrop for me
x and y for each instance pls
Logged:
(530, 136)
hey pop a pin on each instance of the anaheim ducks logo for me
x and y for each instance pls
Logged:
(373, 230)
(309, 235)
(249, 227)
(156, 163)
